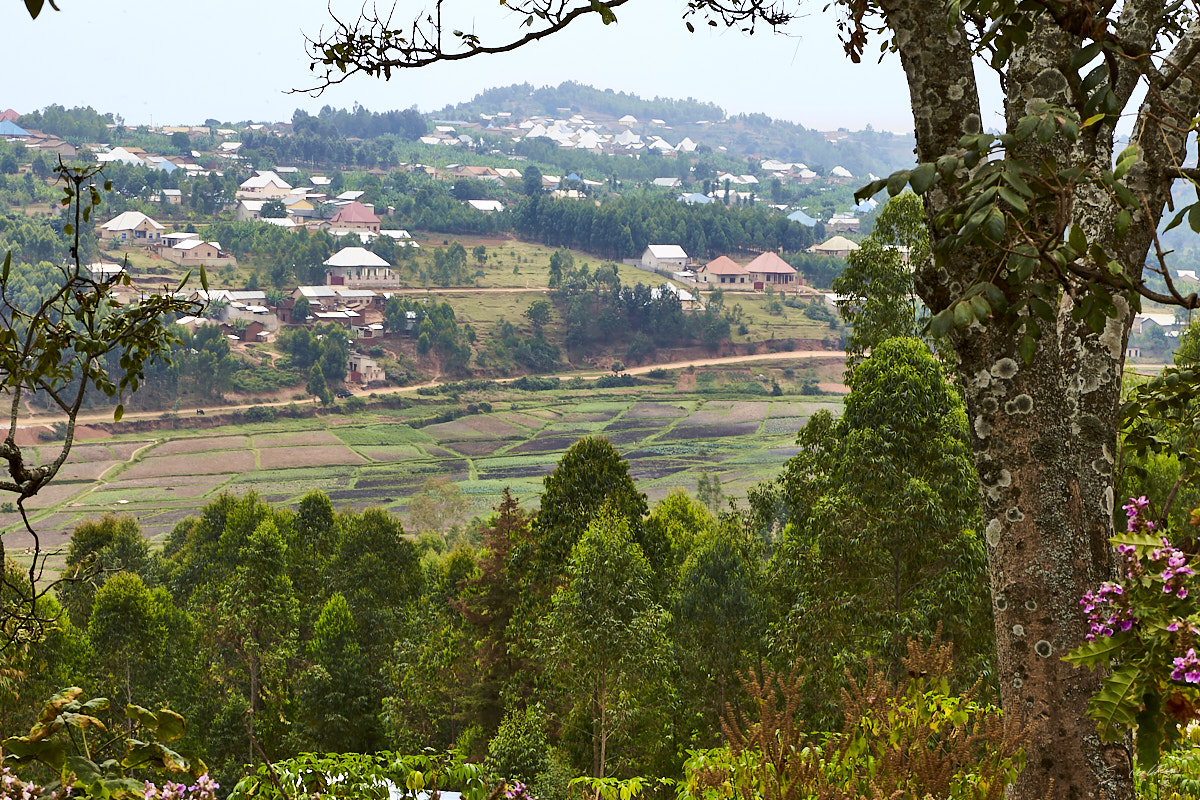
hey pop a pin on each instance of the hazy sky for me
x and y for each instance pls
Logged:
(173, 62)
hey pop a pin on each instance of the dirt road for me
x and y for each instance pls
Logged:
(790, 355)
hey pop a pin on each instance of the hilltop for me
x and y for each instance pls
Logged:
(748, 135)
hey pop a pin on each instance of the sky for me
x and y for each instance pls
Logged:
(162, 62)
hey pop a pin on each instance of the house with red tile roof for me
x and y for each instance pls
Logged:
(771, 270)
(723, 273)
(355, 217)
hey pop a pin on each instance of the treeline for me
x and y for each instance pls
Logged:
(75, 125)
(579, 97)
(291, 256)
(360, 123)
(623, 227)
(597, 636)
(597, 309)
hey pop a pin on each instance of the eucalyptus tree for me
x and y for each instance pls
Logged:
(1040, 245)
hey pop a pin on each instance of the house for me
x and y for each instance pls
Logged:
(486, 206)
(664, 256)
(836, 246)
(265, 185)
(845, 223)
(1143, 323)
(363, 369)
(723, 272)
(355, 217)
(357, 266)
(172, 197)
(132, 227)
(771, 270)
(197, 252)
(802, 218)
(320, 298)
(694, 198)
(668, 183)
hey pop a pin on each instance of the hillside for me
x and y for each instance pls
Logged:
(758, 135)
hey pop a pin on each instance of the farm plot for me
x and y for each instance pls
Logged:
(86, 471)
(200, 445)
(295, 439)
(548, 443)
(643, 410)
(728, 411)
(211, 463)
(395, 452)
(308, 456)
(381, 435)
(479, 447)
(702, 431)
(475, 427)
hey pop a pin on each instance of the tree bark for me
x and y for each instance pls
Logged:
(1044, 434)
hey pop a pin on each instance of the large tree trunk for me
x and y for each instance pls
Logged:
(1043, 433)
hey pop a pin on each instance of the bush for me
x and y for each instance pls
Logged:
(259, 414)
(532, 383)
(616, 381)
(658, 373)
(518, 751)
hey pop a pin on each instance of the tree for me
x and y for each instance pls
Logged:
(538, 315)
(273, 209)
(531, 181)
(1040, 241)
(480, 253)
(875, 291)
(300, 310)
(182, 143)
(317, 386)
(608, 633)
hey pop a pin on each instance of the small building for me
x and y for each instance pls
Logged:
(248, 209)
(195, 252)
(131, 227)
(265, 185)
(357, 266)
(724, 273)
(363, 369)
(670, 257)
(486, 206)
(771, 270)
(836, 246)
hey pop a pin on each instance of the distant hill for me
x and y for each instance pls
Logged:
(861, 152)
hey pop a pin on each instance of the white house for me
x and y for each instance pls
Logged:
(356, 266)
(664, 256)
(132, 227)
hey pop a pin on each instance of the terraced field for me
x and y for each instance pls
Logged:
(378, 458)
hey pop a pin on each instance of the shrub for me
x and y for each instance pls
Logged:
(518, 751)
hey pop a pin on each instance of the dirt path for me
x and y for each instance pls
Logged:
(793, 355)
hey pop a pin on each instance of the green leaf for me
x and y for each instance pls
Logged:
(170, 725)
(963, 314)
(897, 181)
(1116, 705)
(1084, 55)
(993, 227)
(1127, 158)
(941, 322)
(1028, 348)
(1013, 199)
(118, 412)
(143, 716)
(922, 178)
(85, 769)
(1077, 240)
(1100, 651)
(1193, 216)
(1026, 126)
(1122, 223)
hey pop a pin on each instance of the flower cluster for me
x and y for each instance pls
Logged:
(517, 791)
(205, 788)
(1187, 668)
(1107, 611)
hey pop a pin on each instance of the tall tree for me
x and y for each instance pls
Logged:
(1041, 247)
(607, 632)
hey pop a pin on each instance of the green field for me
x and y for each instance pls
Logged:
(719, 420)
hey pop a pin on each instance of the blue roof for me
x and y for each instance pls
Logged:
(572, 177)
(694, 197)
(802, 218)
(9, 128)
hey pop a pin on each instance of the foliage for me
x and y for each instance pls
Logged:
(59, 741)
(1143, 626)
(875, 292)
(351, 775)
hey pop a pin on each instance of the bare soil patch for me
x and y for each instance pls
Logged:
(298, 438)
(631, 436)
(830, 387)
(686, 382)
(88, 471)
(475, 427)
(193, 464)
(545, 444)
(654, 411)
(504, 473)
(308, 456)
(79, 453)
(55, 493)
(684, 433)
(202, 444)
(631, 424)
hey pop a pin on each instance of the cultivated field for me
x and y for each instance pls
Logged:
(729, 426)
